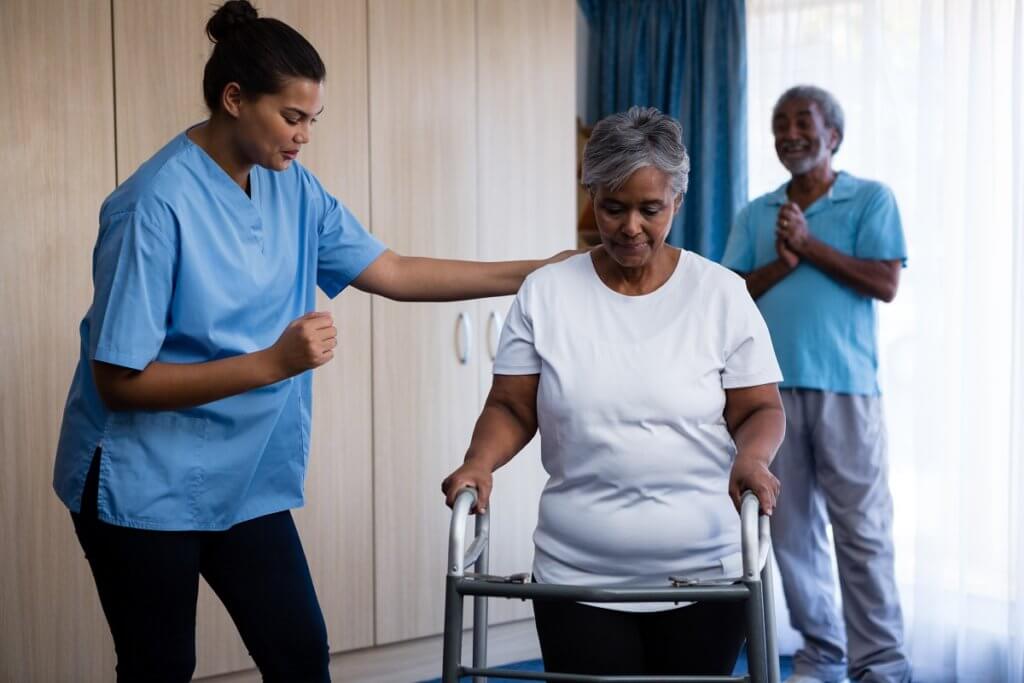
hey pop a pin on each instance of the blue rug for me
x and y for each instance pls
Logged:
(786, 664)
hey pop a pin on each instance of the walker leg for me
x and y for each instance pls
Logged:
(480, 607)
(451, 660)
(757, 660)
(771, 644)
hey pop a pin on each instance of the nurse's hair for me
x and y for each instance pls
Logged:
(828, 105)
(259, 54)
(623, 143)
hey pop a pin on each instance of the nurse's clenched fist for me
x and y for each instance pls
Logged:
(308, 342)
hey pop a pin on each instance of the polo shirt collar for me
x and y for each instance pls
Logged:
(778, 197)
(844, 188)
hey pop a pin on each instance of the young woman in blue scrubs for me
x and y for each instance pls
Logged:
(186, 429)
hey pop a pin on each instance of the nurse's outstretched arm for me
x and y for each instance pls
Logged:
(506, 424)
(414, 278)
(308, 342)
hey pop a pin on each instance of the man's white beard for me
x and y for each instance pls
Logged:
(805, 164)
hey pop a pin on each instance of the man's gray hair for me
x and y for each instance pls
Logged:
(827, 104)
(623, 143)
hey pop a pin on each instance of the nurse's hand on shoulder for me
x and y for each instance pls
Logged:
(308, 342)
(752, 473)
(470, 474)
(562, 255)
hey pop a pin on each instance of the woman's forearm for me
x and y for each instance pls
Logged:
(173, 386)
(500, 433)
(306, 343)
(506, 424)
(761, 433)
(757, 423)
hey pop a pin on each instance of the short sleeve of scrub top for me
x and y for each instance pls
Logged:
(134, 270)
(344, 248)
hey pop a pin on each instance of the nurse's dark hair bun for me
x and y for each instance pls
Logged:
(228, 18)
(260, 54)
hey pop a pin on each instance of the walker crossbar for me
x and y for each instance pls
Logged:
(545, 591)
(753, 588)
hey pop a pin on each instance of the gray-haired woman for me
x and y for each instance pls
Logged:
(651, 377)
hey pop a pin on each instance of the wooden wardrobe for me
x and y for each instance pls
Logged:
(449, 131)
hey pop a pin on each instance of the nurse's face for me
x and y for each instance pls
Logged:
(273, 128)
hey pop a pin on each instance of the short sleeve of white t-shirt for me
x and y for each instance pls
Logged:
(749, 356)
(630, 406)
(516, 355)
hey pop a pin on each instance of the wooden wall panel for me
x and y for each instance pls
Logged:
(527, 109)
(58, 165)
(466, 139)
(423, 179)
(160, 49)
(337, 523)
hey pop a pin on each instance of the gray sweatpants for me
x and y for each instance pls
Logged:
(833, 468)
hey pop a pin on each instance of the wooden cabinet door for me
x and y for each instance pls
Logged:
(424, 174)
(337, 523)
(58, 165)
(526, 79)
(160, 49)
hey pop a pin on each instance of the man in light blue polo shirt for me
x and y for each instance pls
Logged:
(816, 253)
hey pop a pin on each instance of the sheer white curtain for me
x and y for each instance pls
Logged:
(933, 96)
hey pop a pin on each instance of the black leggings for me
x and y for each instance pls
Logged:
(697, 639)
(148, 583)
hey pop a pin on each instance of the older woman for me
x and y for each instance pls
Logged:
(651, 377)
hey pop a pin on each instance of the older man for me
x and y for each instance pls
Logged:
(816, 254)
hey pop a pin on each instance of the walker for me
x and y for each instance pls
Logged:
(754, 588)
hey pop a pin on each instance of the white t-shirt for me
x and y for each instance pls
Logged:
(630, 408)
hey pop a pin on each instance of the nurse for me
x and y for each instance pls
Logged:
(186, 430)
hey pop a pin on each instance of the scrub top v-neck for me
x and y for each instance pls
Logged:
(188, 268)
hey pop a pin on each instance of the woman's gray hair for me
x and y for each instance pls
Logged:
(623, 143)
(828, 105)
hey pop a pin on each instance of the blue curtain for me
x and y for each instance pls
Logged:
(688, 58)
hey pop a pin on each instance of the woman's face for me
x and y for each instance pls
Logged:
(273, 128)
(634, 220)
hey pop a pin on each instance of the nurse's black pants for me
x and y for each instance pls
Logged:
(148, 583)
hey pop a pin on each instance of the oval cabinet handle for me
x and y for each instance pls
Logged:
(494, 324)
(463, 338)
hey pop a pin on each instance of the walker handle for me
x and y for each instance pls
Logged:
(458, 556)
(755, 535)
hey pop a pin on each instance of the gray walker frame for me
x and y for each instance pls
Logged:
(754, 588)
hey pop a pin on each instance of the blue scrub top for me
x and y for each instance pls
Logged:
(822, 330)
(188, 268)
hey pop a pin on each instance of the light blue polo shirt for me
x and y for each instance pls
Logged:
(188, 268)
(822, 330)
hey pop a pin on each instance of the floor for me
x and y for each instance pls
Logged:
(786, 664)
